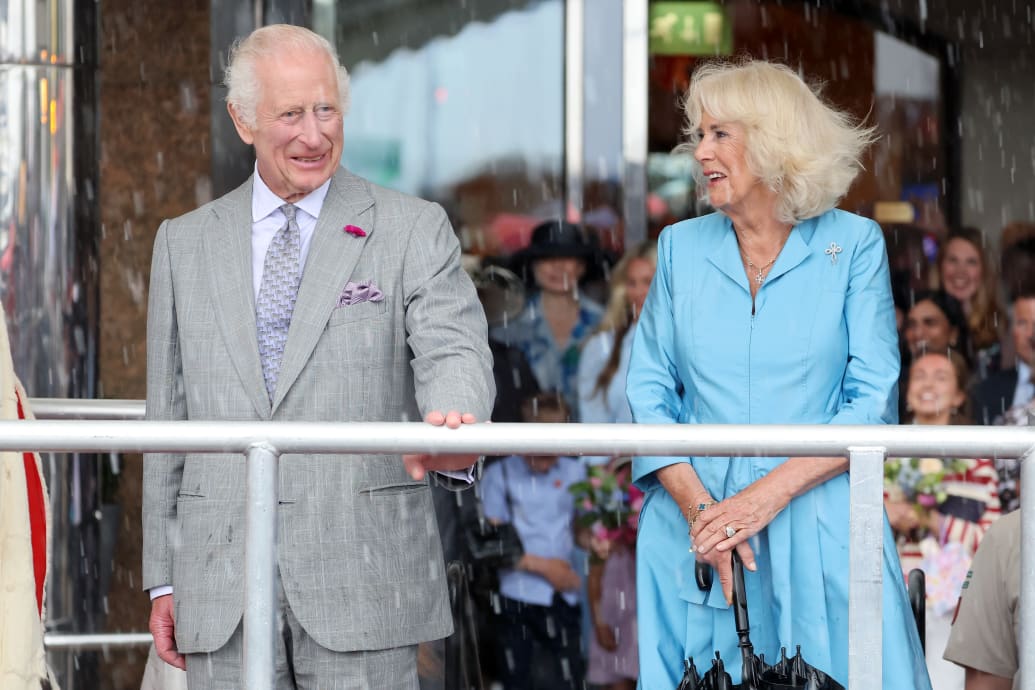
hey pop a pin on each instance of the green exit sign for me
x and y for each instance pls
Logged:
(690, 28)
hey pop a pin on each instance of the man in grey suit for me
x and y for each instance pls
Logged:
(306, 294)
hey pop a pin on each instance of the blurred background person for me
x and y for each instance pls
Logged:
(985, 637)
(1016, 256)
(557, 317)
(24, 545)
(934, 323)
(539, 619)
(964, 273)
(611, 597)
(1014, 387)
(940, 509)
(604, 362)
(1011, 386)
(776, 310)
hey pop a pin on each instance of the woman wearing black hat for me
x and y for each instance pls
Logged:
(557, 318)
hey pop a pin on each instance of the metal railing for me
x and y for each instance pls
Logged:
(86, 426)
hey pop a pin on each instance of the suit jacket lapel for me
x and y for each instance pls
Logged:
(333, 254)
(228, 247)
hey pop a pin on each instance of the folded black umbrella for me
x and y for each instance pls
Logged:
(793, 672)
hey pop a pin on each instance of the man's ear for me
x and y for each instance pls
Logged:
(243, 130)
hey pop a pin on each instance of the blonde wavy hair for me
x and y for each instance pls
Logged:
(617, 316)
(800, 146)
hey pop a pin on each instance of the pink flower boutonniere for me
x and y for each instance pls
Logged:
(355, 231)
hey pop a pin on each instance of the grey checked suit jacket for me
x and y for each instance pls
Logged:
(358, 547)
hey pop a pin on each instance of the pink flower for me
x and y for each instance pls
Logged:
(926, 500)
(355, 231)
(635, 499)
(596, 482)
(587, 504)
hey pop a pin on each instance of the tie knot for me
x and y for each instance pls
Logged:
(289, 211)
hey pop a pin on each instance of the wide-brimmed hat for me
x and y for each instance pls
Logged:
(560, 239)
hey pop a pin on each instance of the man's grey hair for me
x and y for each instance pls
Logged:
(240, 78)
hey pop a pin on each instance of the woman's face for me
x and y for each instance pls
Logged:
(558, 274)
(961, 269)
(637, 283)
(722, 154)
(933, 390)
(928, 329)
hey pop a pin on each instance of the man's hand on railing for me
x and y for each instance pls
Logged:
(419, 464)
(163, 627)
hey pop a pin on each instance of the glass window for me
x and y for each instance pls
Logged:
(460, 103)
(869, 73)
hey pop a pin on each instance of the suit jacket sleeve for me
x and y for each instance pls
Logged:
(870, 389)
(445, 323)
(165, 401)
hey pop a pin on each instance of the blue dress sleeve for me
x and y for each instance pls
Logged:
(654, 387)
(870, 389)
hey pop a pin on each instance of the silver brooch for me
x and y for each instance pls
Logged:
(832, 251)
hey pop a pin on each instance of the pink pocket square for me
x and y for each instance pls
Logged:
(354, 293)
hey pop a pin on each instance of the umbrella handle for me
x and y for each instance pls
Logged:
(703, 574)
(740, 606)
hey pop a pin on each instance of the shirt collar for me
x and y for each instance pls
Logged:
(1023, 372)
(265, 202)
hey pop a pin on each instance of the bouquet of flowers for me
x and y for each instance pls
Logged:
(608, 505)
(920, 480)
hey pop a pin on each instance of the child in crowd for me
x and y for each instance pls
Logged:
(539, 598)
(940, 509)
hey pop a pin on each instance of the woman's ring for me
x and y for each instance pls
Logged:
(730, 531)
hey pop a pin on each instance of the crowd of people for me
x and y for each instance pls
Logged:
(715, 345)
(312, 294)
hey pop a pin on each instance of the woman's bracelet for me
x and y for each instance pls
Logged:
(694, 512)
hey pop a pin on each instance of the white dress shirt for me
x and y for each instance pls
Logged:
(1025, 389)
(268, 219)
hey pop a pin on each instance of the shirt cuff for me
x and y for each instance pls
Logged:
(458, 480)
(160, 591)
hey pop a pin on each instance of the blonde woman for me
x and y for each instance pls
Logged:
(605, 356)
(775, 310)
(603, 367)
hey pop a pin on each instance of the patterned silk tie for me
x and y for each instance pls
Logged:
(280, 280)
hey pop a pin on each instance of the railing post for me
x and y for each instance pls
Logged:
(1027, 592)
(260, 563)
(865, 553)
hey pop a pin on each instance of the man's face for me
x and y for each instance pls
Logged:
(1023, 329)
(298, 134)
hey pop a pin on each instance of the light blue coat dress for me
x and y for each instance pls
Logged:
(818, 346)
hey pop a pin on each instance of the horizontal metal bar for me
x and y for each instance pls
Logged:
(500, 439)
(75, 408)
(96, 640)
